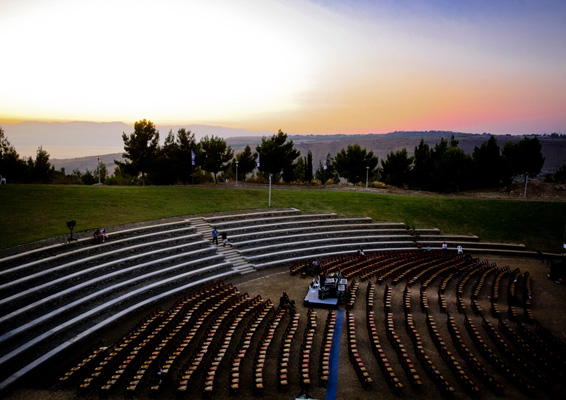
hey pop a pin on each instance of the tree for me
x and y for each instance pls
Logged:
(396, 168)
(40, 170)
(140, 147)
(354, 162)
(246, 163)
(88, 178)
(308, 167)
(186, 146)
(524, 158)
(559, 176)
(276, 156)
(488, 164)
(423, 166)
(215, 154)
(299, 170)
(454, 170)
(165, 169)
(10, 162)
(327, 170)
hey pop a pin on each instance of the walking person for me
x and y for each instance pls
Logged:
(214, 236)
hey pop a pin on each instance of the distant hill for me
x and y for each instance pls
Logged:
(80, 138)
(554, 149)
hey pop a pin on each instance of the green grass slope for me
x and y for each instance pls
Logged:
(33, 212)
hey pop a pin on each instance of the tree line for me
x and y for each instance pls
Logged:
(181, 159)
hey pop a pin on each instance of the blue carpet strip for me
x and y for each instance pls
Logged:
(334, 357)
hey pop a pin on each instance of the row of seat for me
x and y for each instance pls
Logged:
(210, 306)
(244, 346)
(216, 315)
(93, 363)
(234, 322)
(525, 366)
(135, 340)
(402, 353)
(495, 287)
(370, 296)
(263, 347)
(517, 380)
(471, 360)
(252, 307)
(147, 345)
(430, 269)
(431, 369)
(550, 369)
(355, 357)
(461, 376)
(167, 366)
(325, 348)
(379, 353)
(306, 348)
(283, 366)
(528, 298)
(351, 294)
(551, 349)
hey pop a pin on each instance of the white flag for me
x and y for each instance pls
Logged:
(193, 157)
(257, 164)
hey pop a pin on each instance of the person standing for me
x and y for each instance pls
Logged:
(224, 238)
(214, 236)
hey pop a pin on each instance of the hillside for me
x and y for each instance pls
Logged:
(554, 149)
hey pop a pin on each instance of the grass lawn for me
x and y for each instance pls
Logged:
(33, 212)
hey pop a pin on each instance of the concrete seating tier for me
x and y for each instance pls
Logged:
(249, 221)
(477, 246)
(64, 326)
(36, 260)
(341, 241)
(11, 373)
(253, 215)
(84, 241)
(97, 264)
(266, 225)
(48, 303)
(314, 233)
(31, 311)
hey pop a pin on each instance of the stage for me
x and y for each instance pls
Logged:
(330, 295)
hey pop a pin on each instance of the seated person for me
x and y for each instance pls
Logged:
(100, 235)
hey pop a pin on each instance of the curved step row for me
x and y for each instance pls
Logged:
(57, 294)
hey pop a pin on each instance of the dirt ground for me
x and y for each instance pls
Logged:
(548, 307)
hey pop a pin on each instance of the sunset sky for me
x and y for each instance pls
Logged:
(318, 66)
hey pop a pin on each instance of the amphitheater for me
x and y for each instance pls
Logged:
(159, 311)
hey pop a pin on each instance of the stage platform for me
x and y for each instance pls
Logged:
(312, 300)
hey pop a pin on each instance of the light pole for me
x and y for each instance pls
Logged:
(367, 176)
(98, 170)
(270, 175)
(236, 173)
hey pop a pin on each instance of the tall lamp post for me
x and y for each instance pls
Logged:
(98, 170)
(367, 176)
(236, 173)
(270, 175)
